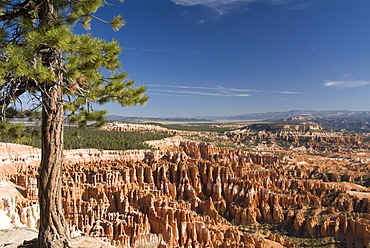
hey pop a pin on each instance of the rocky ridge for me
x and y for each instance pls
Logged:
(307, 135)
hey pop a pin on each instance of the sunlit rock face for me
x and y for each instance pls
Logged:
(190, 194)
(130, 127)
(15, 158)
(303, 136)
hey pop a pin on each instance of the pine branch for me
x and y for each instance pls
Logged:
(99, 19)
(21, 12)
(14, 92)
(108, 3)
(9, 95)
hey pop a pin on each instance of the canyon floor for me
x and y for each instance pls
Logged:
(26, 238)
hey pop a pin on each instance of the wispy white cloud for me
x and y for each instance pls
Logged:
(225, 6)
(198, 90)
(182, 86)
(346, 84)
(202, 87)
(217, 91)
(199, 93)
(286, 92)
(244, 90)
(213, 3)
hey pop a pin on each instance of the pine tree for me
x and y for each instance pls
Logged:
(62, 73)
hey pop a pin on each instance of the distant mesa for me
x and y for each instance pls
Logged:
(294, 113)
(153, 119)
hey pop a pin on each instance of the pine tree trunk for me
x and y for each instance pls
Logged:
(53, 231)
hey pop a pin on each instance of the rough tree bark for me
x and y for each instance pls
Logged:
(53, 231)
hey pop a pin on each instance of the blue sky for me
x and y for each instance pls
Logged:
(230, 57)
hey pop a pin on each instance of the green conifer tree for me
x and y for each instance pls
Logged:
(61, 72)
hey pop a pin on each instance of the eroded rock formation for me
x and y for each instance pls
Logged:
(308, 135)
(195, 194)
